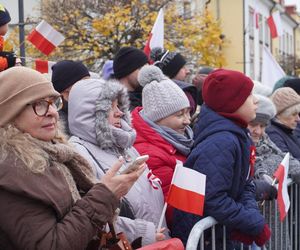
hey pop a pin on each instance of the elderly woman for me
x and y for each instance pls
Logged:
(41, 175)
(99, 121)
(287, 103)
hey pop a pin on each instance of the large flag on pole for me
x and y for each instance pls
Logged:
(187, 190)
(275, 25)
(283, 198)
(45, 38)
(271, 70)
(156, 37)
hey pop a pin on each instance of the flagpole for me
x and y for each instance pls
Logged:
(162, 216)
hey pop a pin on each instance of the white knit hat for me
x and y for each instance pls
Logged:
(161, 97)
(266, 109)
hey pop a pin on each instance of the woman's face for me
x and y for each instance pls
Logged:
(257, 130)
(40, 127)
(3, 29)
(177, 121)
(290, 121)
(115, 115)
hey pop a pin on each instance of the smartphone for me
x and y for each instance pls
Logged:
(135, 164)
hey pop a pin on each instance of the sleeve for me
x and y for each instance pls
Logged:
(134, 229)
(216, 159)
(34, 225)
(279, 141)
(3, 63)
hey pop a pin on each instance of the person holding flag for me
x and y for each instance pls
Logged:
(222, 152)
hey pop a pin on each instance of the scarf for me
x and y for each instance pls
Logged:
(183, 143)
(74, 167)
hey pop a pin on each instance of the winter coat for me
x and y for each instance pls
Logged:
(284, 138)
(163, 155)
(92, 136)
(135, 98)
(268, 158)
(38, 210)
(222, 152)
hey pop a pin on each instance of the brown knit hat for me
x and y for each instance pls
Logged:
(18, 87)
(285, 98)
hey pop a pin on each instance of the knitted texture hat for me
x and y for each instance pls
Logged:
(161, 96)
(127, 60)
(226, 90)
(169, 62)
(266, 109)
(20, 86)
(285, 98)
(4, 15)
(293, 83)
(67, 72)
(261, 89)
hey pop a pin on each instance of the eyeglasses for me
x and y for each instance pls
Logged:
(41, 107)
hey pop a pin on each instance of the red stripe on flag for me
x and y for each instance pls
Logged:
(40, 42)
(147, 48)
(41, 66)
(272, 27)
(279, 175)
(186, 200)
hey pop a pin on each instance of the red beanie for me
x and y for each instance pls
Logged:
(226, 90)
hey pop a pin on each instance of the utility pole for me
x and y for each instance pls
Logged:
(22, 32)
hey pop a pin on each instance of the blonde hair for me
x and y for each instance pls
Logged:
(24, 147)
(290, 111)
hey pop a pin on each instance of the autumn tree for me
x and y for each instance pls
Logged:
(96, 29)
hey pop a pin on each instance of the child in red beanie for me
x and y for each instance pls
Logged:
(7, 59)
(222, 152)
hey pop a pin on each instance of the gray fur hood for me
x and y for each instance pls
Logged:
(88, 106)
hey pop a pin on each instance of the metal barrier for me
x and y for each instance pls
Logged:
(285, 235)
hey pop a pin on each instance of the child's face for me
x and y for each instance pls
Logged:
(248, 110)
(3, 29)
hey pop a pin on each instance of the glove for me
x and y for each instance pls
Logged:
(239, 236)
(10, 57)
(264, 190)
(264, 236)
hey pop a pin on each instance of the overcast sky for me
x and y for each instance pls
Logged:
(30, 8)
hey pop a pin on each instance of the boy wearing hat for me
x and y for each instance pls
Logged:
(126, 66)
(64, 75)
(7, 59)
(222, 152)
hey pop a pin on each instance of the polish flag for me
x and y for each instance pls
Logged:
(44, 66)
(275, 25)
(283, 198)
(45, 38)
(156, 37)
(187, 190)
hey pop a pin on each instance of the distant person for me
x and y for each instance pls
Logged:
(7, 59)
(65, 74)
(126, 65)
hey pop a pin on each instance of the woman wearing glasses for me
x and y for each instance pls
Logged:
(41, 175)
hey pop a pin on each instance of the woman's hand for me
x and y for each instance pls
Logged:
(121, 184)
(160, 234)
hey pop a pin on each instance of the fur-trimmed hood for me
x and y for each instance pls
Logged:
(89, 103)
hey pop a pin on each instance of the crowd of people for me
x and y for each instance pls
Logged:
(65, 145)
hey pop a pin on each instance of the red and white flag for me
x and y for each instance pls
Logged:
(44, 66)
(45, 38)
(275, 25)
(187, 190)
(283, 198)
(156, 37)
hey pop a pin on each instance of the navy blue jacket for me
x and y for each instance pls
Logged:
(222, 153)
(284, 138)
